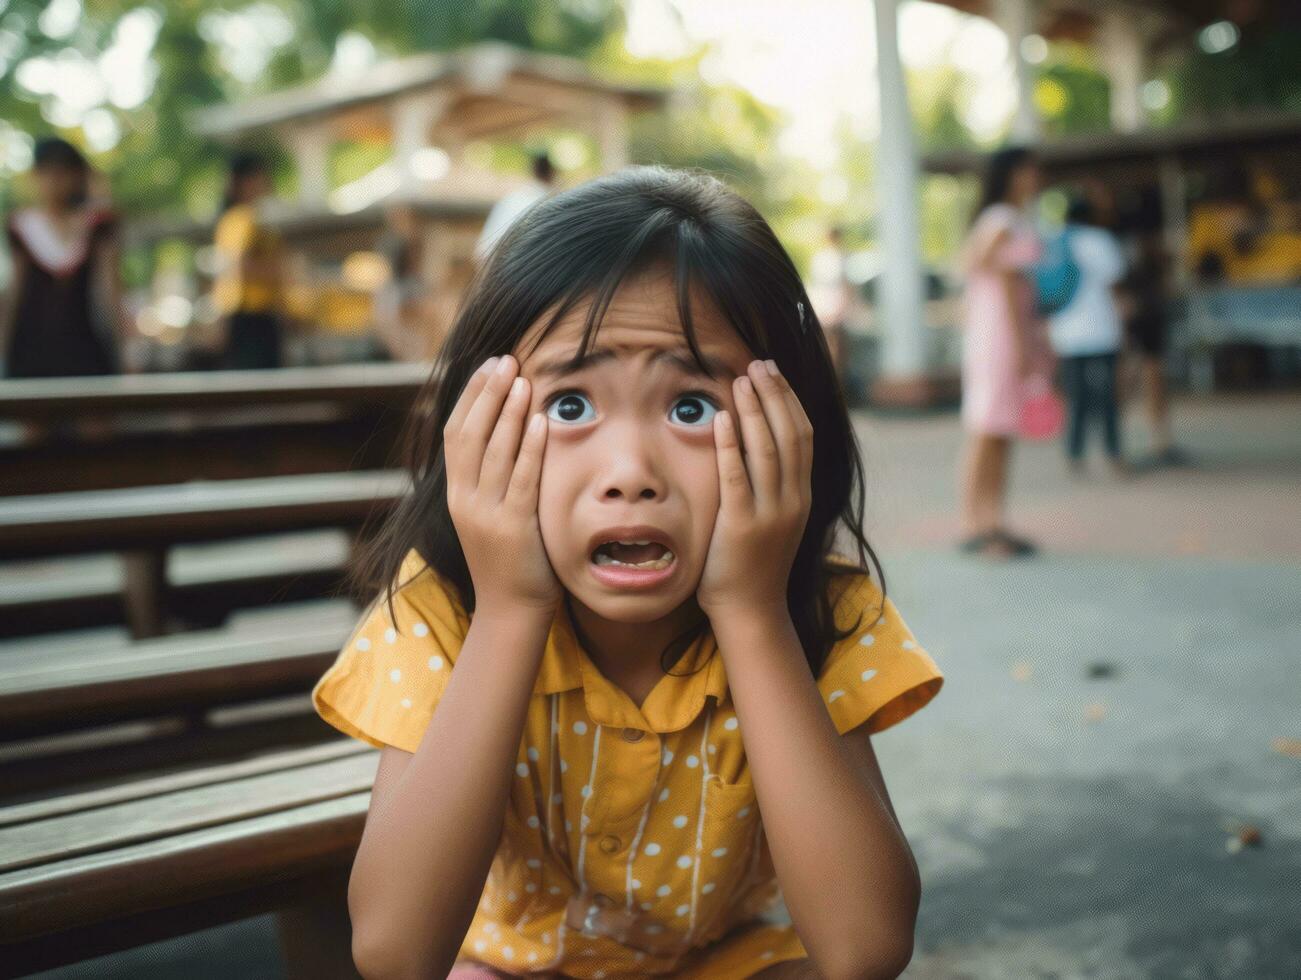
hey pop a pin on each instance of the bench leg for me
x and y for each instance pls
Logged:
(145, 592)
(316, 939)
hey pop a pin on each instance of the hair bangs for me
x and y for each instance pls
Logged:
(658, 243)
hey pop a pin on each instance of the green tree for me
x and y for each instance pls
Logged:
(157, 165)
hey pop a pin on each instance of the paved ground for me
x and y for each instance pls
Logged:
(1076, 827)
(1071, 827)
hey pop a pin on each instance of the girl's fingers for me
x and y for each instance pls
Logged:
(522, 493)
(733, 481)
(804, 433)
(452, 428)
(760, 450)
(772, 396)
(482, 419)
(503, 445)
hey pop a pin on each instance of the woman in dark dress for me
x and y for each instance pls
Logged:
(63, 312)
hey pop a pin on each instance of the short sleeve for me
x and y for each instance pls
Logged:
(1016, 252)
(1103, 256)
(235, 230)
(387, 680)
(878, 675)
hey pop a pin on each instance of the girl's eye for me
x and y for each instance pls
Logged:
(693, 410)
(572, 408)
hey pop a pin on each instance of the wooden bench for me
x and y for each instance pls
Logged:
(100, 433)
(144, 522)
(203, 600)
(43, 692)
(91, 873)
(48, 399)
(85, 522)
(212, 825)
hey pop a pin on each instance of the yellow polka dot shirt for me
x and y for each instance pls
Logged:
(633, 843)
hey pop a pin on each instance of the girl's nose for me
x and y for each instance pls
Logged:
(646, 493)
(631, 473)
(631, 479)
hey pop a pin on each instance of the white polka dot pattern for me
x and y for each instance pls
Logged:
(589, 820)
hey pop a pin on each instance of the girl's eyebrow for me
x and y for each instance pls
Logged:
(680, 358)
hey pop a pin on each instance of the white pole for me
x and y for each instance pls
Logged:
(900, 313)
(1016, 18)
(311, 148)
(1121, 44)
(413, 118)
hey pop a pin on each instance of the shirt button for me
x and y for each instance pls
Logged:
(633, 734)
(610, 845)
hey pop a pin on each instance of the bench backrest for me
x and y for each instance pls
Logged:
(155, 517)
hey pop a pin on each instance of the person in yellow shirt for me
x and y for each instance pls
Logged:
(249, 283)
(622, 684)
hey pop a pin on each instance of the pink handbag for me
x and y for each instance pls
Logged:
(1042, 412)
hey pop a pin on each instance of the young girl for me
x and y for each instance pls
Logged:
(1004, 345)
(623, 688)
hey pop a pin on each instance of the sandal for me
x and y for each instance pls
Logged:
(1016, 547)
(976, 543)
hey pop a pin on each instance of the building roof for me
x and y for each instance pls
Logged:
(1188, 141)
(479, 68)
(1164, 21)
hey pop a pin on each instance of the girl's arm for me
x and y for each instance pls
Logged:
(108, 275)
(1013, 283)
(846, 871)
(436, 815)
(845, 868)
(9, 305)
(431, 835)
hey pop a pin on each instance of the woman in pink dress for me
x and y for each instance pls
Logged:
(1004, 344)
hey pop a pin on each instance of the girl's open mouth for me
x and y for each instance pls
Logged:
(633, 554)
(632, 564)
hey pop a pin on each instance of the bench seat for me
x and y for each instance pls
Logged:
(43, 692)
(144, 518)
(89, 873)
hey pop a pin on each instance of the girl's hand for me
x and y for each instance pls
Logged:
(492, 489)
(764, 498)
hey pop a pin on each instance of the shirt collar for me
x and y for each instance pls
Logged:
(676, 700)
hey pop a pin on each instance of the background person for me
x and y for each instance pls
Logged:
(1086, 334)
(63, 314)
(405, 320)
(1147, 322)
(250, 278)
(1003, 345)
(509, 208)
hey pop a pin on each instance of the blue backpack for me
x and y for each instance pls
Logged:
(1056, 277)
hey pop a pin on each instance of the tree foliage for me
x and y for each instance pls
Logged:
(157, 164)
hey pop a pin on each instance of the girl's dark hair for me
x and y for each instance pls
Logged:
(1080, 210)
(582, 244)
(242, 165)
(997, 179)
(54, 153)
(51, 151)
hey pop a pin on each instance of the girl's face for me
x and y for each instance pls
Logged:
(1024, 186)
(630, 448)
(59, 186)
